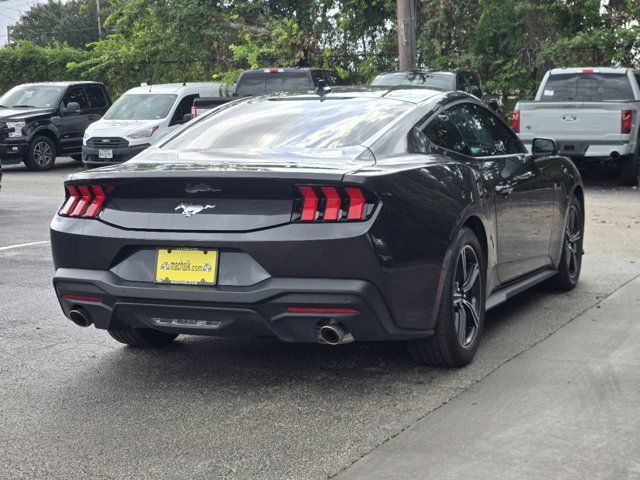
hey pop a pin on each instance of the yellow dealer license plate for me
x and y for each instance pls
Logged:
(184, 266)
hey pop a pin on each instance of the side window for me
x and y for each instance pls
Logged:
(318, 75)
(96, 95)
(78, 95)
(463, 84)
(442, 132)
(182, 109)
(483, 132)
(637, 75)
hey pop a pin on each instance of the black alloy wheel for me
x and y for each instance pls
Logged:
(41, 154)
(461, 316)
(571, 258)
(630, 168)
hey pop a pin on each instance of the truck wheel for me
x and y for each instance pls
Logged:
(630, 169)
(41, 154)
(143, 337)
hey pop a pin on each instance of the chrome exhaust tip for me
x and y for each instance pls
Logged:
(80, 317)
(334, 334)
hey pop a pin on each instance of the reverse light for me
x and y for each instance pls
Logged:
(86, 201)
(515, 121)
(331, 204)
(144, 133)
(626, 117)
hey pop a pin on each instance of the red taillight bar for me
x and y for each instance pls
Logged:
(331, 204)
(356, 204)
(626, 118)
(322, 310)
(515, 121)
(71, 202)
(82, 298)
(332, 208)
(86, 201)
(309, 205)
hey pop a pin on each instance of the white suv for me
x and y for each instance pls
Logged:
(139, 118)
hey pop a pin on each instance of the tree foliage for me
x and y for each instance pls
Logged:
(510, 43)
(74, 23)
(30, 63)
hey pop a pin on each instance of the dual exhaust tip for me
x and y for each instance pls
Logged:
(330, 333)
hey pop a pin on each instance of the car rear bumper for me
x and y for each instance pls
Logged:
(90, 156)
(592, 149)
(257, 310)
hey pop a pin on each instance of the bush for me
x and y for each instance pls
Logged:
(27, 63)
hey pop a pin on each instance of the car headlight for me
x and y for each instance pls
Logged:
(144, 133)
(17, 128)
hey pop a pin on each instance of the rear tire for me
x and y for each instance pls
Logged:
(571, 258)
(630, 168)
(143, 337)
(41, 154)
(461, 316)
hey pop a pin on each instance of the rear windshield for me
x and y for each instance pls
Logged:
(587, 87)
(260, 83)
(439, 81)
(300, 123)
(133, 106)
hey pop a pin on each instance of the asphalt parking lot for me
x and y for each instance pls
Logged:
(76, 404)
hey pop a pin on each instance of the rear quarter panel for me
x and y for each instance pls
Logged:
(425, 201)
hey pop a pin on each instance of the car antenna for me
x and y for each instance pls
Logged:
(322, 89)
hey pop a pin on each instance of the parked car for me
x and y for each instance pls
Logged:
(139, 118)
(592, 113)
(271, 80)
(321, 218)
(39, 121)
(464, 81)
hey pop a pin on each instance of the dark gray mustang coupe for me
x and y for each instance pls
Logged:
(352, 215)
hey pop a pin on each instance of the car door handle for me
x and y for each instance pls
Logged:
(504, 190)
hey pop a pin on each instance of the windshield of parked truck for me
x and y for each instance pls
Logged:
(33, 96)
(439, 81)
(587, 87)
(146, 106)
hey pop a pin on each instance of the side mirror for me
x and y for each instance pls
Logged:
(71, 108)
(543, 147)
(186, 117)
(475, 91)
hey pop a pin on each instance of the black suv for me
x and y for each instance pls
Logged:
(41, 120)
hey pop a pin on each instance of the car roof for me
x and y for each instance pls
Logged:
(64, 84)
(286, 70)
(571, 70)
(176, 88)
(413, 95)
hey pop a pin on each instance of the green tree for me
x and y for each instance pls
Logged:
(73, 23)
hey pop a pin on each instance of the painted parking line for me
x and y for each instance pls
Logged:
(21, 245)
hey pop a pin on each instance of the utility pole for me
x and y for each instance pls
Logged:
(9, 35)
(99, 20)
(406, 34)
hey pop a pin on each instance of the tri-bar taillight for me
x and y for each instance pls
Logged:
(86, 201)
(317, 203)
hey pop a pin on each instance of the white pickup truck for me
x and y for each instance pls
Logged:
(591, 113)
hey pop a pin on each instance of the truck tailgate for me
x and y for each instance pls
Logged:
(571, 121)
